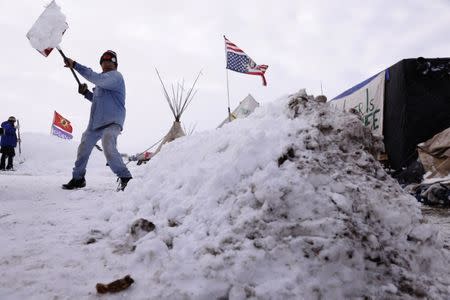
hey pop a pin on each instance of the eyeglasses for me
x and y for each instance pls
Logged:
(108, 57)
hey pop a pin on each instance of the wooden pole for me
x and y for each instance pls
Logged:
(18, 133)
(228, 87)
(73, 72)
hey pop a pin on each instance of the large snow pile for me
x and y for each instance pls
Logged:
(286, 204)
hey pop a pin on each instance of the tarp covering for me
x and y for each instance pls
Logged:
(175, 132)
(416, 105)
(435, 154)
(244, 109)
(367, 98)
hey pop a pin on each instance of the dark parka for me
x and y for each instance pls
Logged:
(9, 137)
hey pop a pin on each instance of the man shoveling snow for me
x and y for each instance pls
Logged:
(106, 119)
(108, 97)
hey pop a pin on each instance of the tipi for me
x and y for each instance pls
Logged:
(178, 104)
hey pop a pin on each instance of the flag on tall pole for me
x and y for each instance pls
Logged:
(61, 127)
(240, 62)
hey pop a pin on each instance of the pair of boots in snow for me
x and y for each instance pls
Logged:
(81, 183)
(9, 166)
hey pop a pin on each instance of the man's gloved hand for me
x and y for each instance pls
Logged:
(82, 88)
(69, 63)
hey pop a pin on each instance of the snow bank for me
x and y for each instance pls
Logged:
(286, 204)
(44, 154)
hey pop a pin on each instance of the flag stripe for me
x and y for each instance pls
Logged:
(234, 48)
(61, 133)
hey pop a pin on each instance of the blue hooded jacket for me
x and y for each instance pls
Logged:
(9, 138)
(108, 98)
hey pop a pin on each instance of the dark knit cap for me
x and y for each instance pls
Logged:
(109, 56)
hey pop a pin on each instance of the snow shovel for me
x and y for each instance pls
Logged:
(46, 33)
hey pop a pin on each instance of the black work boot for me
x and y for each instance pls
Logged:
(123, 181)
(3, 162)
(9, 166)
(74, 184)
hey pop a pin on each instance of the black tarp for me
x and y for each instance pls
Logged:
(416, 106)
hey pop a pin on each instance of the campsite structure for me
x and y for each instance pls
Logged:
(243, 110)
(178, 103)
(406, 104)
(435, 154)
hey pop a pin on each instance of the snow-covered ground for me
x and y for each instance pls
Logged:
(286, 204)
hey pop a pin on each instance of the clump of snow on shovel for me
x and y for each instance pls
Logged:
(48, 29)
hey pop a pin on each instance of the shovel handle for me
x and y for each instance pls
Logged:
(18, 132)
(73, 72)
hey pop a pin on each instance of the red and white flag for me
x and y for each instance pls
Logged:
(62, 123)
(61, 127)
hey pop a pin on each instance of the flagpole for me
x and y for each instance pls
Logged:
(53, 122)
(228, 92)
(228, 86)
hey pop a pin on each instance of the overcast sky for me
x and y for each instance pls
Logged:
(338, 43)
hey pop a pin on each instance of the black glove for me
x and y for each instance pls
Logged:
(82, 88)
(69, 63)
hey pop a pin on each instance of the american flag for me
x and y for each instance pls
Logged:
(240, 62)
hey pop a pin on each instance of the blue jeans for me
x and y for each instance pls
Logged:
(108, 135)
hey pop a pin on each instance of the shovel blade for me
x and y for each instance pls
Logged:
(46, 33)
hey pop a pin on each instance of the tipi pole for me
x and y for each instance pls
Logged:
(147, 149)
(167, 96)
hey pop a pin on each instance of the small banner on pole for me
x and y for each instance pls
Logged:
(61, 127)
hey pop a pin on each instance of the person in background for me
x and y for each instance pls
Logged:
(105, 121)
(8, 143)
